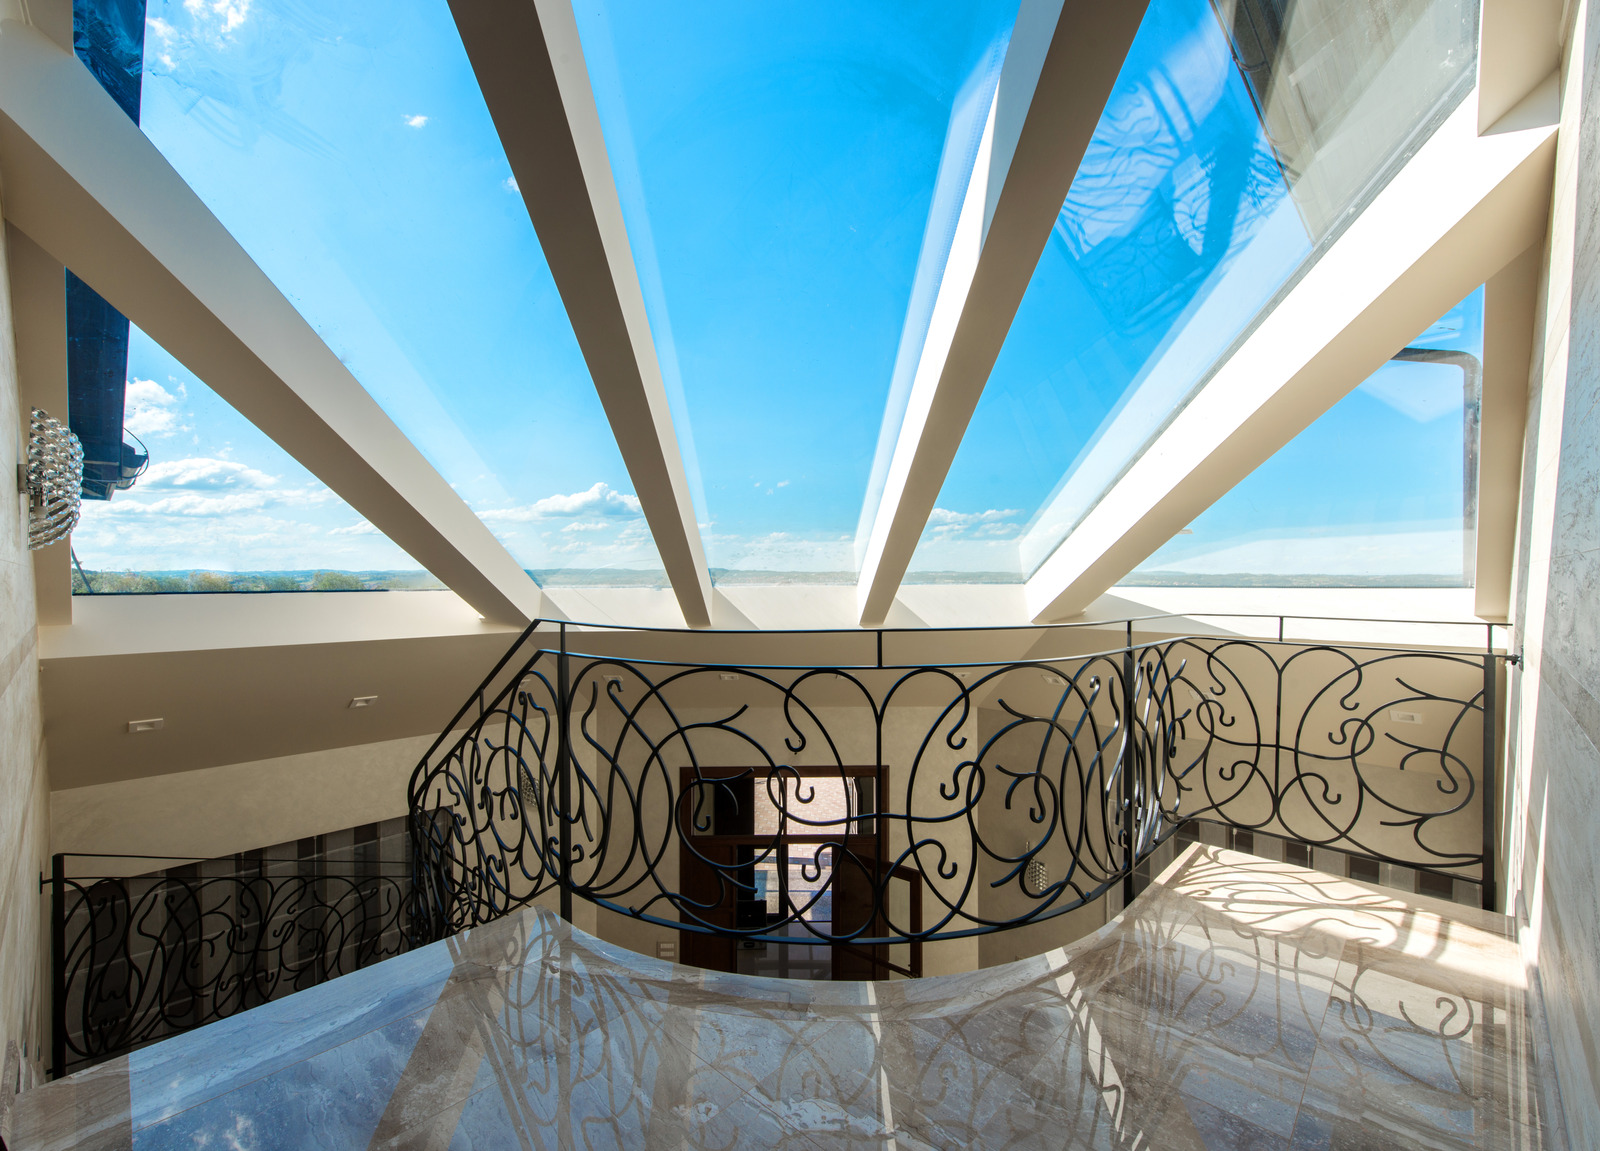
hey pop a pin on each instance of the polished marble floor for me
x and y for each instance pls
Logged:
(1238, 1004)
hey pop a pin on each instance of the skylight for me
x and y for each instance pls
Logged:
(789, 179)
(348, 149)
(1380, 491)
(222, 507)
(1232, 152)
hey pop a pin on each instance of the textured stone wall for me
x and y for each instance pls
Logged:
(1553, 765)
(24, 784)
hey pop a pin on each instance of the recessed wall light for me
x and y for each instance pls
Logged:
(728, 675)
(363, 701)
(135, 726)
(1054, 679)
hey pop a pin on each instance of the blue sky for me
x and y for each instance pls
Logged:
(789, 181)
(347, 148)
(219, 494)
(789, 175)
(1177, 228)
(1373, 488)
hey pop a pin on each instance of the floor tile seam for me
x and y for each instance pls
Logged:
(262, 1076)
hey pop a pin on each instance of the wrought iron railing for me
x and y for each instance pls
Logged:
(139, 958)
(765, 800)
(871, 802)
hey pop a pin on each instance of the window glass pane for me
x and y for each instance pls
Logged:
(1241, 138)
(220, 506)
(790, 175)
(348, 149)
(1380, 491)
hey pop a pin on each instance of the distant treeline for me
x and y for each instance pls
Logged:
(90, 582)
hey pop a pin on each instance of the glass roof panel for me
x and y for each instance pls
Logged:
(1380, 491)
(1239, 141)
(221, 507)
(790, 180)
(348, 149)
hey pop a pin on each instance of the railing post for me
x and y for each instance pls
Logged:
(1130, 758)
(1491, 832)
(58, 966)
(563, 774)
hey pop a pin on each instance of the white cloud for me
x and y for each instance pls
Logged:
(942, 517)
(587, 526)
(510, 184)
(599, 500)
(159, 37)
(226, 14)
(205, 474)
(358, 529)
(996, 522)
(415, 121)
(148, 410)
(783, 483)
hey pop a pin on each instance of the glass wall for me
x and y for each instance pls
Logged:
(1241, 138)
(1380, 491)
(221, 507)
(347, 147)
(790, 176)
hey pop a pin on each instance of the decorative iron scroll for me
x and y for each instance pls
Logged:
(731, 800)
(139, 959)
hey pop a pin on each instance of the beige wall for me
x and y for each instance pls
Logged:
(24, 782)
(218, 811)
(1553, 778)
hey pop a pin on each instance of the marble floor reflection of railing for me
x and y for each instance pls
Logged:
(1236, 1004)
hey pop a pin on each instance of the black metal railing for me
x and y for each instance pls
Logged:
(761, 799)
(870, 803)
(140, 958)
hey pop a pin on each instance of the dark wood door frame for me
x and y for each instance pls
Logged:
(863, 853)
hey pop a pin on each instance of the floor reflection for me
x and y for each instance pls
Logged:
(1239, 1004)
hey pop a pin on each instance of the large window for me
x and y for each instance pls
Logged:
(1240, 140)
(790, 176)
(221, 507)
(1380, 491)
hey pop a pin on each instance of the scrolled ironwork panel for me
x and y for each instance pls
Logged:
(772, 803)
(1374, 752)
(150, 956)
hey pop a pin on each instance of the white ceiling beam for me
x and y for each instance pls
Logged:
(1519, 44)
(39, 320)
(85, 183)
(1063, 61)
(1461, 209)
(530, 66)
(1510, 307)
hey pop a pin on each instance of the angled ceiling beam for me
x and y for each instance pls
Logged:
(1059, 71)
(1510, 308)
(530, 65)
(91, 190)
(1461, 209)
(39, 322)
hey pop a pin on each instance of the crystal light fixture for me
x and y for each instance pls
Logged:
(53, 480)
